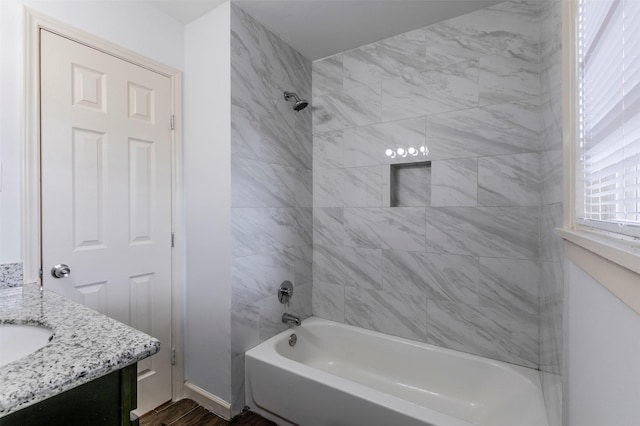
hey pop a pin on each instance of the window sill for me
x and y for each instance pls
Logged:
(625, 253)
(613, 262)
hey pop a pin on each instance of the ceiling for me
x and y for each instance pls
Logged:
(321, 28)
(186, 11)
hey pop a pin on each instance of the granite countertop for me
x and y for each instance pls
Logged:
(85, 345)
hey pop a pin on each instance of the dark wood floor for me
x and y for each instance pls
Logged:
(188, 413)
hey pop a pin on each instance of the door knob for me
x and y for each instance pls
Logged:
(60, 271)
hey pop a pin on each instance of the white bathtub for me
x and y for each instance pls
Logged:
(342, 375)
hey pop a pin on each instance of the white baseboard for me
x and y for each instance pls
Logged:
(208, 400)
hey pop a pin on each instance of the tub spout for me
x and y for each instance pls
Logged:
(291, 319)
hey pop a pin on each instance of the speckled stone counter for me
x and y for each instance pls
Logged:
(85, 345)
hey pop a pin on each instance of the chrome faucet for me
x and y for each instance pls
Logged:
(291, 319)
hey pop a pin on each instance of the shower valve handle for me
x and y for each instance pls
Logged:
(285, 292)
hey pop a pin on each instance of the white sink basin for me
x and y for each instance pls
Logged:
(17, 341)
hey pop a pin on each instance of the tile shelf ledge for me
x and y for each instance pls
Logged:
(613, 262)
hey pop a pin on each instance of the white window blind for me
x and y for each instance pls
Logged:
(609, 115)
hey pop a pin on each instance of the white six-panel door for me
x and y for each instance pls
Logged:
(106, 193)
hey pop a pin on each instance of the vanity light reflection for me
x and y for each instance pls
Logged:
(401, 152)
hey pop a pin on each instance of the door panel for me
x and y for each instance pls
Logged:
(106, 193)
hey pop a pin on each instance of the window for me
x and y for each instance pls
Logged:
(608, 90)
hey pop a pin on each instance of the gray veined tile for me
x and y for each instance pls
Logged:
(304, 122)
(270, 320)
(244, 327)
(387, 312)
(328, 301)
(262, 67)
(249, 82)
(551, 177)
(362, 187)
(271, 310)
(360, 267)
(327, 150)
(551, 31)
(504, 335)
(509, 180)
(327, 76)
(447, 45)
(395, 56)
(551, 321)
(252, 87)
(504, 79)
(526, 13)
(304, 130)
(284, 144)
(302, 256)
(255, 231)
(551, 283)
(510, 28)
(454, 182)
(438, 276)
(350, 108)
(509, 232)
(431, 92)
(402, 272)
(550, 243)
(282, 111)
(551, 339)
(552, 391)
(304, 188)
(510, 284)
(245, 26)
(367, 145)
(237, 383)
(249, 90)
(285, 66)
(399, 228)
(551, 120)
(327, 185)
(258, 276)
(245, 134)
(492, 130)
(327, 226)
(301, 302)
(259, 184)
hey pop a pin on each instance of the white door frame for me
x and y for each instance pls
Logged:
(31, 221)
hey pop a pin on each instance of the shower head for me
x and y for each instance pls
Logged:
(299, 104)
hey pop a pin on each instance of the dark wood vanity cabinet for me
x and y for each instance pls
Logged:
(105, 401)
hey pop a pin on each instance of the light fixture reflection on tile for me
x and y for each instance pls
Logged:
(404, 152)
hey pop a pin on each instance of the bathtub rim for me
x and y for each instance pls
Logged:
(528, 373)
(266, 352)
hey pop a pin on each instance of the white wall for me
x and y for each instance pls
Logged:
(133, 25)
(603, 355)
(207, 164)
(10, 129)
(150, 32)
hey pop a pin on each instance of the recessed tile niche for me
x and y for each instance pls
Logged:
(409, 185)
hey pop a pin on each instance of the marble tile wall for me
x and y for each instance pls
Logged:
(458, 266)
(271, 185)
(552, 276)
(10, 275)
